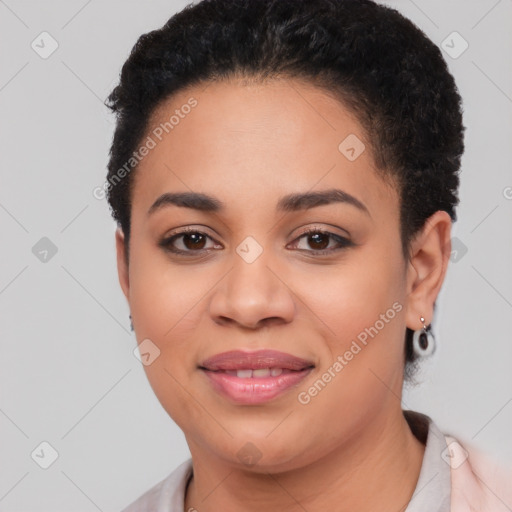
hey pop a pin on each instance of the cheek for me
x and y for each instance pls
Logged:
(162, 293)
(169, 307)
(351, 299)
(363, 320)
(362, 317)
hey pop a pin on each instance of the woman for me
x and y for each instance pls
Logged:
(284, 175)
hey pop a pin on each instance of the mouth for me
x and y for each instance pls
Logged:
(254, 377)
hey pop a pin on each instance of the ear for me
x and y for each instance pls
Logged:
(122, 264)
(430, 254)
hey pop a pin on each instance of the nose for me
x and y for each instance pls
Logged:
(252, 295)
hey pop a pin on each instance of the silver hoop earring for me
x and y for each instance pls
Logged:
(131, 325)
(423, 342)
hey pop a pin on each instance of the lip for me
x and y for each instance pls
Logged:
(241, 359)
(221, 372)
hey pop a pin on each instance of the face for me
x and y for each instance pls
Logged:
(321, 279)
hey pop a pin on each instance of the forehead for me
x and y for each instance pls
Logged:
(238, 140)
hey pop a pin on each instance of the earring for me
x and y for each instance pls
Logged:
(131, 325)
(423, 342)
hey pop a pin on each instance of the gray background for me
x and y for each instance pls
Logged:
(68, 373)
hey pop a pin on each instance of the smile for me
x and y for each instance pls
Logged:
(254, 377)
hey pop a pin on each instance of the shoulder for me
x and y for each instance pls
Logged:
(478, 482)
(168, 495)
(475, 481)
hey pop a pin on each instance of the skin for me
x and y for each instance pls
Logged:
(248, 145)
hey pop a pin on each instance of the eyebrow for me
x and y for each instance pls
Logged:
(288, 203)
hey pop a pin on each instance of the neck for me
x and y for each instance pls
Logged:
(375, 470)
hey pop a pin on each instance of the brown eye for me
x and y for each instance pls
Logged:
(318, 242)
(187, 242)
(193, 240)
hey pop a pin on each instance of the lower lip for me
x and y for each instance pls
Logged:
(254, 390)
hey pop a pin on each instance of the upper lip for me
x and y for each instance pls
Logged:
(240, 360)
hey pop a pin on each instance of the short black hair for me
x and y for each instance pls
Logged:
(380, 65)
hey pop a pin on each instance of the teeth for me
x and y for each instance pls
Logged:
(260, 372)
(244, 374)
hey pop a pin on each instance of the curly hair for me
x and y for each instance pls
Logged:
(376, 62)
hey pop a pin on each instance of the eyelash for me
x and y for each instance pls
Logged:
(166, 243)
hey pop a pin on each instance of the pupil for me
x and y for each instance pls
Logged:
(315, 238)
(195, 238)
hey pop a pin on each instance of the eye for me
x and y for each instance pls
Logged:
(320, 241)
(188, 241)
